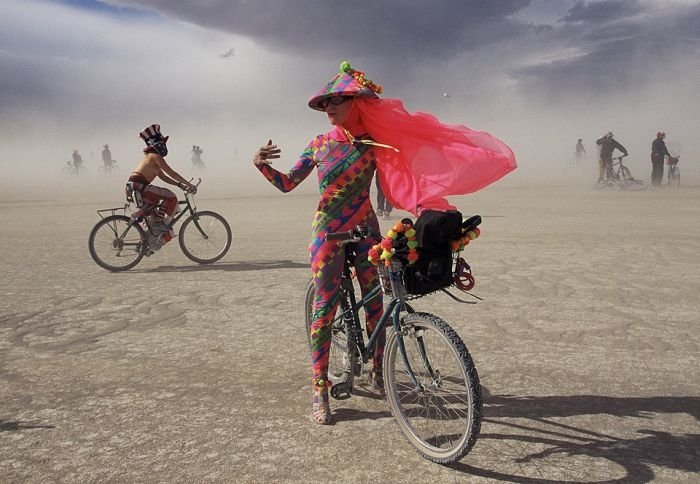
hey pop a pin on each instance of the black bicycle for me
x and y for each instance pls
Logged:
(108, 170)
(618, 176)
(70, 169)
(118, 242)
(431, 383)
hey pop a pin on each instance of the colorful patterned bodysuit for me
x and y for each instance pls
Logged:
(345, 174)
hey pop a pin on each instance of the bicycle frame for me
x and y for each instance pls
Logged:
(616, 167)
(393, 310)
(188, 202)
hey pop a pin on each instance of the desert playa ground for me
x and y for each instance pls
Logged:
(586, 344)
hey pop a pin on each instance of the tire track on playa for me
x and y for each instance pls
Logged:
(77, 324)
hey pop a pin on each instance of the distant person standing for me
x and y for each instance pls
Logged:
(77, 162)
(383, 206)
(107, 159)
(197, 162)
(659, 152)
(607, 145)
(580, 151)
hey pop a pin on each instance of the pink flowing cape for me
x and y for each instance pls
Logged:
(435, 160)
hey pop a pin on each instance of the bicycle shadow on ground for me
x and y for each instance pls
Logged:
(542, 449)
(230, 267)
(353, 414)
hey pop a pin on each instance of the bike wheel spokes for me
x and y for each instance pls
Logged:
(438, 409)
(206, 238)
(441, 415)
(116, 246)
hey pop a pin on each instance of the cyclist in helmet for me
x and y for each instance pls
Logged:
(153, 164)
(658, 153)
(607, 144)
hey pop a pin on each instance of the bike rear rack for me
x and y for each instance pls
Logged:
(113, 211)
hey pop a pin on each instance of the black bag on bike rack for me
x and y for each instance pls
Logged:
(433, 270)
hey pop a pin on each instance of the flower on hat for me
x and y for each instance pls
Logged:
(360, 77)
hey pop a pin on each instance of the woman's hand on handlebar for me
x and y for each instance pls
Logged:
(266, 153)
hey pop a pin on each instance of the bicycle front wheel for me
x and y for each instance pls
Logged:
(341, 357)
(205, 237)
(441, 414)
(115, 245)
(633, 185)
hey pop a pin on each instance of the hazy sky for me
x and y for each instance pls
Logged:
(227, 74)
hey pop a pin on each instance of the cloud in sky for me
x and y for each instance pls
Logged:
(618, 45)
(93, 71)
(607, 35)
(409, 29)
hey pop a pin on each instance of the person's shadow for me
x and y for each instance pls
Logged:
(524, 440)
(231, 266)
(17, 425)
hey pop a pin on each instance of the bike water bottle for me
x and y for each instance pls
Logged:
(398, 289)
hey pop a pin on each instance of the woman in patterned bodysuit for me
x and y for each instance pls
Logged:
(419, 162)
(345, 172)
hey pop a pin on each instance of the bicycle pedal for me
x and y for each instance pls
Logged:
(341, 391)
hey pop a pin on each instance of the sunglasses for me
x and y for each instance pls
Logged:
(335, 101)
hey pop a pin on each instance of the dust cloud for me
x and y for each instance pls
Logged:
(542, 136)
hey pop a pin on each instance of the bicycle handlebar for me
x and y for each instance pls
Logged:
(358, 233)
(187, 191)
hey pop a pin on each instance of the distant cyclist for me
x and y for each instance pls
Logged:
(77, 162)
(658, 153)
(608, 144)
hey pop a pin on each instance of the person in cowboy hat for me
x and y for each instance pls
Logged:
(107, 159)
(153, 165)
(411, 152)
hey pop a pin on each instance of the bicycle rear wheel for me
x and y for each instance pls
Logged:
(205, 237)
(342, 356)
(115, 245)
(626, 174)
(442, 416)
(674, 176)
